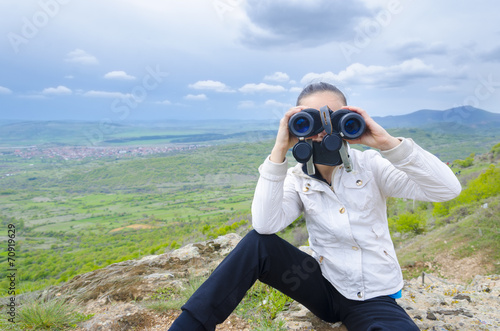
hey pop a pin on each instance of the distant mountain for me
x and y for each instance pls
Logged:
(465, 116)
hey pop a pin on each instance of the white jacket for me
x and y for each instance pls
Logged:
(347, 225)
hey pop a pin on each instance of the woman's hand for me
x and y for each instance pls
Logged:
(284, 140)
(375, 136)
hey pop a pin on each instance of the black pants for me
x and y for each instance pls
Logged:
(279, 264)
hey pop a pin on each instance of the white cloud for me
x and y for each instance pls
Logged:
(373, 75)
(276, 104)
(246, 104)
(278, 76)
(443, 88)
(164, 102)
(262, 87)
(118, 75)
(295, 90)
(196, 97)
(60, 90)
(416, 48)
(81, 57)
(4, 90)
(211, 85)
(106, 94)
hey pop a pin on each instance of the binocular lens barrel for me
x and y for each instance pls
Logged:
(352, 126)
(304, 123)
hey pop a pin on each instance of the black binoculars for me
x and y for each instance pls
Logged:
(339, 125)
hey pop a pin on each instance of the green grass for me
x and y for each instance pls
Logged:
(466, 226)
(166, 299)
(476, 231)
(261, 305)
(55, 314)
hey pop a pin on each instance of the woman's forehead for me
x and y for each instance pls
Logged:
(324, 98)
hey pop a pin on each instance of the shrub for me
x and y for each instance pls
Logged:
(484, 186)
(469, 161)
(496, 150)
(464, 163)
(49, 315)
(408, 223)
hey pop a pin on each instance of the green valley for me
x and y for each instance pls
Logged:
(74, 215)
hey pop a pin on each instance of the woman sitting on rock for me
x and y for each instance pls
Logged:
(353, 275)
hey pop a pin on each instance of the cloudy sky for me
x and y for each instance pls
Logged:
(242, 59)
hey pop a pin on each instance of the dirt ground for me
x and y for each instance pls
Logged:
(464, 269)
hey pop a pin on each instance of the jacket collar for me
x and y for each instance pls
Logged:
(317, 175)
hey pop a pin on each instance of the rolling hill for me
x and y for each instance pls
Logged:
(465, 116)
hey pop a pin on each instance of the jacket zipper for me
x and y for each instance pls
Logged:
(391, 258)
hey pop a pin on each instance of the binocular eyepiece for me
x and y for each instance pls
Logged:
(338, 125)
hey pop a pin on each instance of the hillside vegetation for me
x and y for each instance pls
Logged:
(458, 238)
(76, 216)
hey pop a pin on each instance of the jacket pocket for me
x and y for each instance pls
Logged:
(358, 190)
(311, 198)
(378, 229)
(356, 180)
(390, 259)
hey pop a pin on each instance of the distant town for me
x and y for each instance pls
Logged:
(80, 153)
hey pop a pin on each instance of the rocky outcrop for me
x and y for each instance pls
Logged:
(437, 304)
(114, 294)
(138, 280)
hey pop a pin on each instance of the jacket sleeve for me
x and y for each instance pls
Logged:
(409, 171)
(276, 203)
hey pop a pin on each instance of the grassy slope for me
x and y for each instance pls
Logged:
(466, 237)
(471, 241)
